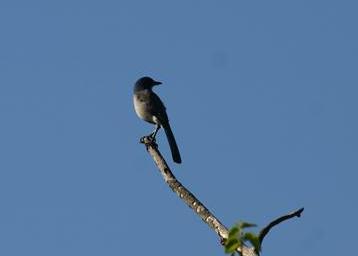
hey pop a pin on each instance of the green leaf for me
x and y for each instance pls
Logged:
(236, 238)
(234, 231)
(254, 240)
(243, 225)
(232, 245)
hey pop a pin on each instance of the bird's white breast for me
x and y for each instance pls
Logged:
(141, 108)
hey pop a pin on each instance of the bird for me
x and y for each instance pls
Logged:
(149, 107)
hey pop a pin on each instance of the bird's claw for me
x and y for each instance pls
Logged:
(149, 137)
(152, 137)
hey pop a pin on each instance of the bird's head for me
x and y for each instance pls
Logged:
(144, 83)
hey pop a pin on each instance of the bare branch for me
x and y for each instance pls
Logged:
(277, 221)
(199, 207)
(188, 197)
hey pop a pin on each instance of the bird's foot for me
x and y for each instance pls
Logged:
(152, 136)
(148, 141)
(147, 138)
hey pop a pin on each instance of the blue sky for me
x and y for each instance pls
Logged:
(262, 98)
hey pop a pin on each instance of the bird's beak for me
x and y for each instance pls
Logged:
(157, 83)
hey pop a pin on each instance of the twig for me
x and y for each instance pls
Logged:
(277, 221)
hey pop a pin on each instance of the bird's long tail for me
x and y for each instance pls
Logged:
(172, 143)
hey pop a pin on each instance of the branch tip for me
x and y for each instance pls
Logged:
(298, 212)
(277, 221)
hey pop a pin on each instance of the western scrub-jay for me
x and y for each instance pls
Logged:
(150, 108)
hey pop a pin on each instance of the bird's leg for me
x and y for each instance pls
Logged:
(154, 133)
